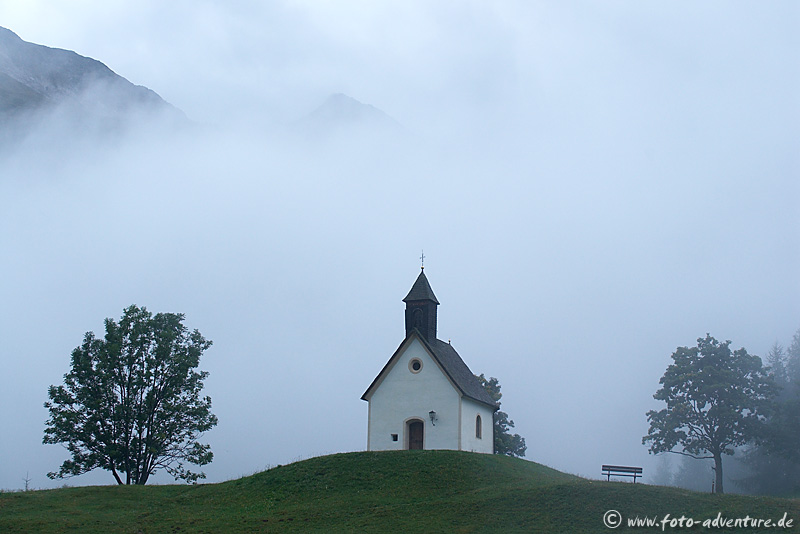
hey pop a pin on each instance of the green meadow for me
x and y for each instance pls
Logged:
(404, 491)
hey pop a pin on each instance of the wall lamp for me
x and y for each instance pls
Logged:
(432, 415)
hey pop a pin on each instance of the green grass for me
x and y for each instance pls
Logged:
(408, 491)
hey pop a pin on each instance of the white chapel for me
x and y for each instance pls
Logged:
(425, 397)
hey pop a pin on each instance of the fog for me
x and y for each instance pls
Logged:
(593, 185)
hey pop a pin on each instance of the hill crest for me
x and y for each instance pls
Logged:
(399, 491)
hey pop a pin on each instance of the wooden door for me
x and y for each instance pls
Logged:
(415, 435)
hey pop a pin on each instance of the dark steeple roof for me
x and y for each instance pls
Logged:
(421, 290)
(421, 306)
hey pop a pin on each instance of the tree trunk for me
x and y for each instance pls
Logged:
(116, 476)
(718, 472)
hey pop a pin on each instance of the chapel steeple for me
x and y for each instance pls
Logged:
(421, 306)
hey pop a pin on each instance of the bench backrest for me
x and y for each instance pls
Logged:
(622, 469)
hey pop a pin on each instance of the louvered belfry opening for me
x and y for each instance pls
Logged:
(421, 306)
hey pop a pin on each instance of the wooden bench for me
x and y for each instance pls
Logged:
(623, 471)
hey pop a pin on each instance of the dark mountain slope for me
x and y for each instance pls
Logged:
(36, 78)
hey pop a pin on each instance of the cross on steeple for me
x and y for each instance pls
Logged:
(422, 259)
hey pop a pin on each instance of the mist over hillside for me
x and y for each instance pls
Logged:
(591, 189)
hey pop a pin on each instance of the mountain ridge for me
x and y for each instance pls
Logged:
(341, 113)
(35, 77)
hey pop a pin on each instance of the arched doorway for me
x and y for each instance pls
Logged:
(415, 430)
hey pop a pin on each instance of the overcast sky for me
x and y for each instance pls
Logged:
(594, 184)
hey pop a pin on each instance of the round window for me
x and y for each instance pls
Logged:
(415, 365)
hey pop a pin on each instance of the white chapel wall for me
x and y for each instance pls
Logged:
(403, 395)
(469, 440)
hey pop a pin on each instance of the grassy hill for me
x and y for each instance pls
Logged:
(408, 491)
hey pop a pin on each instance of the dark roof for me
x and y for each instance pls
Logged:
(455, 368)
(459, 373)
(421, 290)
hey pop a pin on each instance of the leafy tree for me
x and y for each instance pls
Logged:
(131, 402)
(504, 441)
(716, 400)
